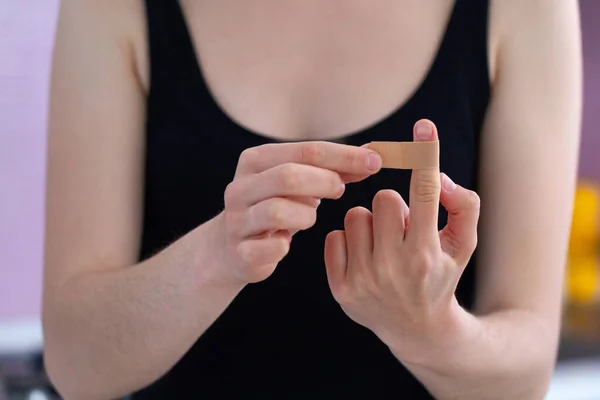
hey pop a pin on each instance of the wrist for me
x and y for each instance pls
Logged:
(440, 345)
(209, 260)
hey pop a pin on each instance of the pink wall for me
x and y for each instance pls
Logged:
(590, 146)
(26, 34)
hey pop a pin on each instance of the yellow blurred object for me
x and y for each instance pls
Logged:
(585, 227)
(583, 280)
(583, 270)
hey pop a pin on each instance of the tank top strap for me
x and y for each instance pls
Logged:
(462, 63)
(471, 32)
(171, 50)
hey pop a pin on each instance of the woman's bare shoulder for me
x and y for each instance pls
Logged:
(122, 22)
(511, 20)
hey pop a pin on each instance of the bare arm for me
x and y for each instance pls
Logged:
(111, 326)
(529, 162)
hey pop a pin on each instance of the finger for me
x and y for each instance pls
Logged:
(309, 201)
(459, 237)
(333, 156)
(358, 225)
(353, 178)
(424, 195)
(276, 214)
(286, 180)
(336, 260)
(267, 250)
(389, 215)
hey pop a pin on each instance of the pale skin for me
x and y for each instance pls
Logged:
(107, 318)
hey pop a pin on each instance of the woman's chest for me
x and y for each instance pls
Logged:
(314, 69)
(195, 135)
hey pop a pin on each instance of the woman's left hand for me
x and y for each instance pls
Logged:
(393, 272)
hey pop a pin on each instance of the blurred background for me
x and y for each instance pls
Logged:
(26, 37)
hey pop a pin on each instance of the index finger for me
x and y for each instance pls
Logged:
(340, 158)
(425, 187)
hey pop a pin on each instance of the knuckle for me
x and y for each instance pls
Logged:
(423, 261)
(336, 182)
(421, 269)
(353, 159)
(247, 253)
(311, 153)
(473, 202)
(307, 218)
(289, 177)
(311, 220)
(341, 294)
(231, 193)
(427, 189)
(275, 213)
(282, 249)
(248, 156)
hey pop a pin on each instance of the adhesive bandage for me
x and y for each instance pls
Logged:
(408, 155)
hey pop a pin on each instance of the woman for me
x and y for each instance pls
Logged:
(191, 144)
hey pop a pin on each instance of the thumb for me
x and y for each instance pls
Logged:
(459, 236)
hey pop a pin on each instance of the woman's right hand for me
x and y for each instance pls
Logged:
(275, 193)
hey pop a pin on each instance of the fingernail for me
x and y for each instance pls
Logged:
(447, 183)
(342, 190)
(424, 131)
(374, 161)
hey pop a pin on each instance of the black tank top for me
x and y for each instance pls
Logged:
(286, 337)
